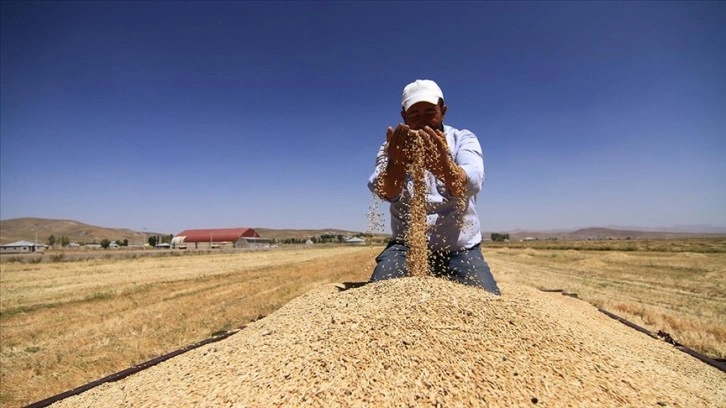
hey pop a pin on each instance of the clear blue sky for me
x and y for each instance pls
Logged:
(175, 115)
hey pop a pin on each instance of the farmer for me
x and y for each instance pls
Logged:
(454, 175)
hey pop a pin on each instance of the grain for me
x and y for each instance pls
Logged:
(418, 255)
(424, 341)
(415, 235)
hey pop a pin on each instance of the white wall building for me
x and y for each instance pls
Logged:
(21, 247)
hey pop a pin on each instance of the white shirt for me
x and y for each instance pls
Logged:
(445, 228)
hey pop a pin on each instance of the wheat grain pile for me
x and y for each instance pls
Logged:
(424, 341)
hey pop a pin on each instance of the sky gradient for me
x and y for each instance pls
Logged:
(174, 115)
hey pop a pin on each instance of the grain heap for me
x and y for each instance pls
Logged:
(424, 341)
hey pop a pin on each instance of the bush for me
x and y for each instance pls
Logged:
(497, 237)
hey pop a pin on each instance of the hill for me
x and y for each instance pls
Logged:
(32, 229)
(26, 229)
(598, 233)
(29, 228)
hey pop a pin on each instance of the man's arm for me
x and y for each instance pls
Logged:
(453, 176)
(390, 181)
(392, 160)
(440, 163)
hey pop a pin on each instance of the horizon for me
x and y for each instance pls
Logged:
(182, 115)
(685, 229)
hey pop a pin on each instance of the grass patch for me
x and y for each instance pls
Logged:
(6, 313)
(94, 297)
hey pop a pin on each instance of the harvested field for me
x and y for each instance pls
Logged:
(68, 323)
(424, 342)
(681, 293)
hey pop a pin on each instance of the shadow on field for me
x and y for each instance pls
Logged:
(351, 285)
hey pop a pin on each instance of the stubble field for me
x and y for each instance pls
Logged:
(63, 324)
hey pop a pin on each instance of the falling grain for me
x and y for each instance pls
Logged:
(418, 255)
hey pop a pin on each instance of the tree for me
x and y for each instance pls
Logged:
(499, 237)
(152, 240)
(51, 240)
(65, 241)
(105, 243)
(126, 242)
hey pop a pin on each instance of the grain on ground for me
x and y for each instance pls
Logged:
(425, 341)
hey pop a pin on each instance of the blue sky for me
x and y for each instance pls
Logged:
(176, 115)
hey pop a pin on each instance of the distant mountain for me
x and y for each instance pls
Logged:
(30, 229)
(685, 229)
(609, 233)
(17, 229)
(613, 233)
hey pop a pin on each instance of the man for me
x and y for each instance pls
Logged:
(454, 175)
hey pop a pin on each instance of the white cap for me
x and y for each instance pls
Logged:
(421, 90)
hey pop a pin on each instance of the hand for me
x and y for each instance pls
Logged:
(437, 159)
(439, 162)
(390, 181)
(397, 144)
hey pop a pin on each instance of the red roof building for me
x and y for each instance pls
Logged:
(214, 238)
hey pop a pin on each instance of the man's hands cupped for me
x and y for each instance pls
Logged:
(398, 139)
(437, 158)
(434, 146)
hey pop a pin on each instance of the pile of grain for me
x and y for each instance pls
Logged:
(424, 342)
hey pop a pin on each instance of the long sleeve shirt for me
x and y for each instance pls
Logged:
(449, 227)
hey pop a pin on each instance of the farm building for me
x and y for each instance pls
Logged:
(219, 238)
(21, 247)
(355, 241)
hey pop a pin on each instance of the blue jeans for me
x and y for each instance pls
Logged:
(466, 266)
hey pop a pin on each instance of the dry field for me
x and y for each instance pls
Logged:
(64, 324)
(677, 286)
